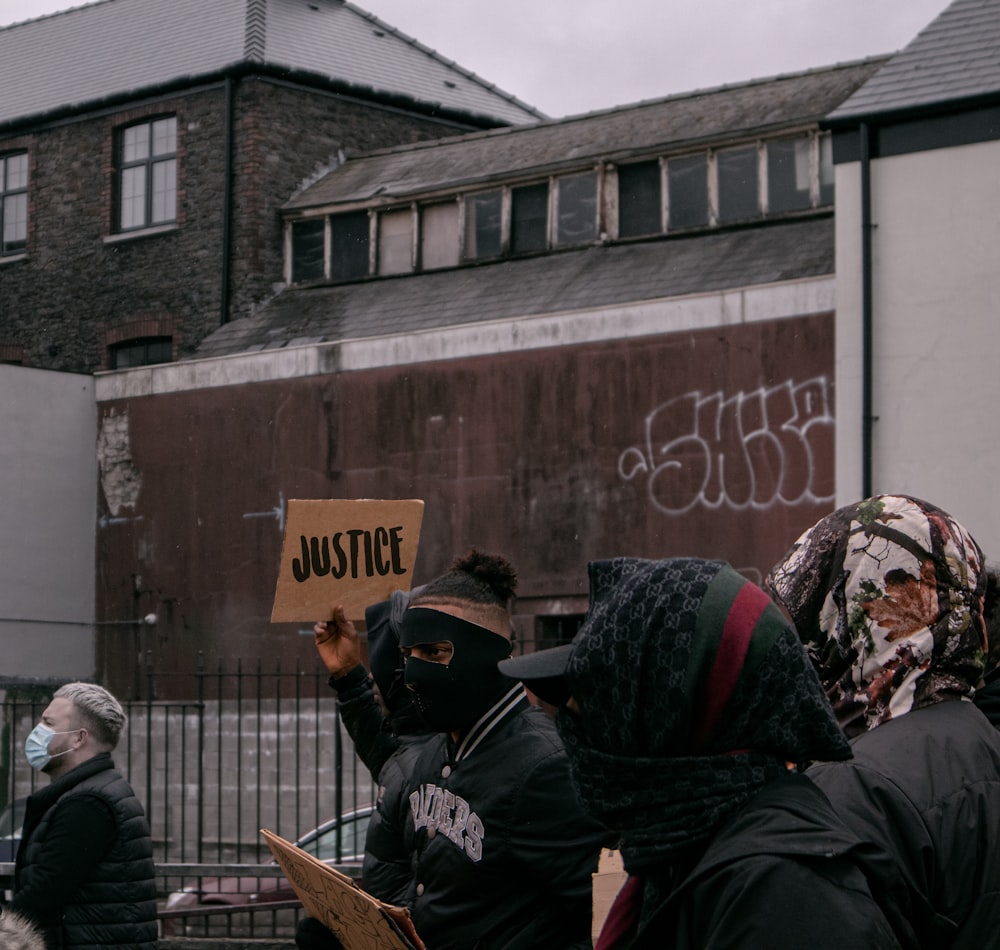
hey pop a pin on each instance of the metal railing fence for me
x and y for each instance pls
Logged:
(228, 750)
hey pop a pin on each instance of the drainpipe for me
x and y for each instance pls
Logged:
(227, 205)
(867, 419)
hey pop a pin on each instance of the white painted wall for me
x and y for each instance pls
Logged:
(936, 338)
(48, 486)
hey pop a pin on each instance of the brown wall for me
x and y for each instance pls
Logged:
(709, 443)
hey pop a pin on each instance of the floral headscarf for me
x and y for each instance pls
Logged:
(887, 596)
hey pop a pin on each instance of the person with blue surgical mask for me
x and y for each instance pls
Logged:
(84, 872)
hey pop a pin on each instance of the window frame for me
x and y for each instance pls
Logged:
(499, 200)
(149, 165)
(11, 193)
(146, 342)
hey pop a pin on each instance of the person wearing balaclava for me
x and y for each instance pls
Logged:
(380, 716)
(688, 707)
(887, 595)
(502, 851)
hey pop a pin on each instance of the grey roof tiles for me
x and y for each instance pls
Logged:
(113, 48)
(603, 276)
(955, 57)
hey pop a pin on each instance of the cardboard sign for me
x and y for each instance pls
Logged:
(350, 552)
(358, 920)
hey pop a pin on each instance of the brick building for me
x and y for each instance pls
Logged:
(145, 148)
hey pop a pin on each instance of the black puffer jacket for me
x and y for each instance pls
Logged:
(923, 791)
(115, 907)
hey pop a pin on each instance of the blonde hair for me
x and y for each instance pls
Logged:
(101, 713)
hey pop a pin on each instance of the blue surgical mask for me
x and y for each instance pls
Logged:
(36, 746)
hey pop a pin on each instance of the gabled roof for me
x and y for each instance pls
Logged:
(955, 57)
(690, 120)
(592, 277)
(114, 48)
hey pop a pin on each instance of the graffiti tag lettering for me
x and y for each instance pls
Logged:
(750, 450)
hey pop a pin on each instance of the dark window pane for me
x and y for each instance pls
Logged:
(738, 184)
(577, 209)
(349, 245)
(687, 191)
(482, 225)
(528, 216)
(143, 352)
(639, 199)
(826, 170)
(788, 175)
(307, 250)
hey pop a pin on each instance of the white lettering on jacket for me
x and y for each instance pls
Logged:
(450, 815)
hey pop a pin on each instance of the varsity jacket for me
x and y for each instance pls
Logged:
(501, 851)
(115, 905)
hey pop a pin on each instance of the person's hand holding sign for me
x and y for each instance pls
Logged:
(337, 643)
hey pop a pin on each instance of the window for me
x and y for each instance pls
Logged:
(576, 220)
(826, 170)
(529, 212)
(13, 202)
(639, 199)
(483, 237)
(553, 630)
(687, 191)
(439, 235)
(147, 174)
(349, 243)
(141, 352)
(308, 240)
(395, 242)
(788, 174)
(738, 191)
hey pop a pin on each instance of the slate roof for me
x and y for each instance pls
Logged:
(591, 277)
(955, 57)
(115, 48)
(677, 122)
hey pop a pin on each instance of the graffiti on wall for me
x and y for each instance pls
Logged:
(750, 450)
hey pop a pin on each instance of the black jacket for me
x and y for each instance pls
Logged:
(84, 870)
(924, 790)
(784, 872)
(501, 852)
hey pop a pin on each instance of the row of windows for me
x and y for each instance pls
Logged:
(634, 200)
(145, 178)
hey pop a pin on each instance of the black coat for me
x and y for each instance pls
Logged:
(924, 791)
(84, 870)
(783, 873)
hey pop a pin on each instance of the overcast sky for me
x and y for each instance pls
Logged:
(572, 56)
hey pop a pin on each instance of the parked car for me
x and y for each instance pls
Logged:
(321, 842)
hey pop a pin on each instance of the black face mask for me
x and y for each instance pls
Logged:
(450, 698)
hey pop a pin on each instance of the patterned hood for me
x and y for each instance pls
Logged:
(887, 596)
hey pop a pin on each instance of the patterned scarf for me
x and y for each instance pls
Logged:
(694, 693)
(887, 595)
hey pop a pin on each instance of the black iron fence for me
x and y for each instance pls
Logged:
(230, 748)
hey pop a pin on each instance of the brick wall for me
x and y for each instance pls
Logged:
(79, 286)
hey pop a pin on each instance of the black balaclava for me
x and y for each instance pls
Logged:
(450, 698)
(382, 620)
